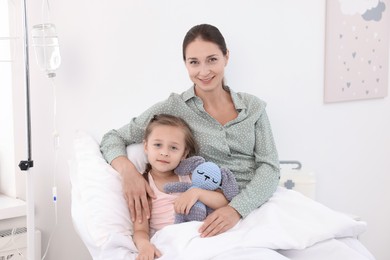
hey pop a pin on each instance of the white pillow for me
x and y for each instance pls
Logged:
(99, 209)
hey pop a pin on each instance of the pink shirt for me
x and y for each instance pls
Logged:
(163, 212)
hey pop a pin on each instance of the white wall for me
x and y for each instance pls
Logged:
(119, 57)
(7, 181)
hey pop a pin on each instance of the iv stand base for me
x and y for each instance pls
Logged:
(25, 165)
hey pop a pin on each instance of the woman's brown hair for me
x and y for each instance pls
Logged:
(206, 32)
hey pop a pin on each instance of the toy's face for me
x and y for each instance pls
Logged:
(207, 176)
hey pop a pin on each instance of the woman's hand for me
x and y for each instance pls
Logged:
(186, 200)
(219, 221)
(148, 251)
(135, 188)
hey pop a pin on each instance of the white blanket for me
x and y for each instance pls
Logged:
(287, 221)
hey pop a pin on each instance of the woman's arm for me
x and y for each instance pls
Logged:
(266, 177)
(212, 199)
(257, 191)
(113, 147)
(114, 142)
(135, 188)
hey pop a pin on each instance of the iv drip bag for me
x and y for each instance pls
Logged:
(47, 51)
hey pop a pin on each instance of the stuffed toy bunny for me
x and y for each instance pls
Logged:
(205, 175)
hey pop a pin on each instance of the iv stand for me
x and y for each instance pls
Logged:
(27, 164)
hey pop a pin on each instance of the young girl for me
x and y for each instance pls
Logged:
(168, 140)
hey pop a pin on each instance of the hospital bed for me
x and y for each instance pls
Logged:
(291, 225)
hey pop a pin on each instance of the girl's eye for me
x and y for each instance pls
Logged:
(199, 172)
(174, 148)
(157, 145)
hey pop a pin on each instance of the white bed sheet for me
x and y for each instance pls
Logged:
(288, 226)
(337, 249)
(332, 249)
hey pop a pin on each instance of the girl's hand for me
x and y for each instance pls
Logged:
(219, 221)
(147, 251)
(186, 200)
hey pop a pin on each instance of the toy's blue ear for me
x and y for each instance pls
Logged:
(186, 166)
(229, 185)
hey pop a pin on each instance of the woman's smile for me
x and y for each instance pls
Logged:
(206, 80)
(205, 64)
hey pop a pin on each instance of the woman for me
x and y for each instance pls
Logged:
(232, 130)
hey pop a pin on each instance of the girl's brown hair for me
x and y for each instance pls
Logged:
(191, 146)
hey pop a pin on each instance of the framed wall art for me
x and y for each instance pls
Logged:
(356, 50)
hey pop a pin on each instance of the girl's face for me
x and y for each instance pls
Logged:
(165, 148)
(205, 63)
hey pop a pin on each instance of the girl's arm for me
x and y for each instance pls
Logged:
(141, 238)
(212, 199)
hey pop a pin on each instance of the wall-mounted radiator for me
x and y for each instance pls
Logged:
(13, 244)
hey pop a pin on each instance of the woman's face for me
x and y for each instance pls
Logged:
(205, 63)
